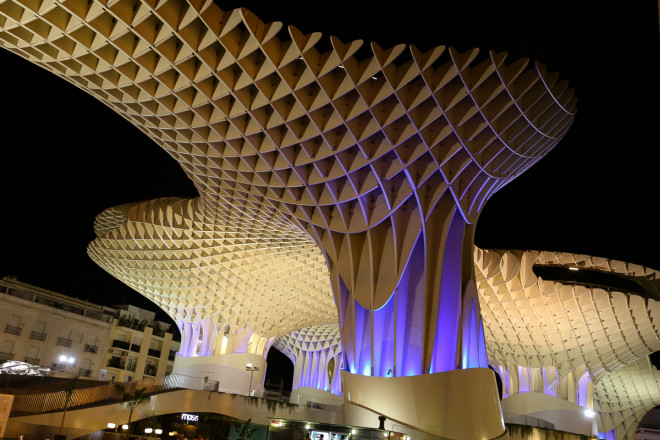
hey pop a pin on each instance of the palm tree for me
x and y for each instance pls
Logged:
(244, 430)
(68, 394)
(132, 397)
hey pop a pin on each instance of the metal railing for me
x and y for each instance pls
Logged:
(51, 301)
(120, 344)
(84, 372)
(90, 348)
(13, 330)
(6, 356)
(31, 360)
(154, 353)
(317, 402)
(64, 342)
(104, 394)
(519, 419)
(116, 362)
(38, 336)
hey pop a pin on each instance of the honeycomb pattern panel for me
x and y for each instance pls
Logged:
(536, 323)
(266, 275)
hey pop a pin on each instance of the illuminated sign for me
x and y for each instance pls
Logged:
(190, 417)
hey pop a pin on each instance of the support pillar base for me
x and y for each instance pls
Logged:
(458, 404)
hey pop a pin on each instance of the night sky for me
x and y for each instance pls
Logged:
(66, 157)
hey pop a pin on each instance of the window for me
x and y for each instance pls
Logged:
(39, 332)
(65, 338)
(85, 369)
(14, 326)
(32, 355)
(7, 352)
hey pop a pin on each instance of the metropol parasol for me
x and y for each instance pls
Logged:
(333, 191)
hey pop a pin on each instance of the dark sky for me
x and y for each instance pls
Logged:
(65, 157)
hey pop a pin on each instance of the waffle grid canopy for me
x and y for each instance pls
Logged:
(586, 343)
(371, 158)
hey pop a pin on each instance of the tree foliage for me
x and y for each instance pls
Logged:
(132, 397)
(244, 430)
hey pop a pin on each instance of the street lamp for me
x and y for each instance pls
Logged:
(251, 368)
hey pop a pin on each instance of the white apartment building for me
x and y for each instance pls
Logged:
(50, 329)
(76, 337)
(138, 346)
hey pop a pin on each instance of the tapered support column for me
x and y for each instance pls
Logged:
(316, 355)
(460, 404)
(408, 307)
(407, 302)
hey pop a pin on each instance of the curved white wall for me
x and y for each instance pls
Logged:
(227, 369)
(566, 416)
(302, 395)
(458, 404)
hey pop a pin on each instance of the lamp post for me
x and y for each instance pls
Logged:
(251, 368)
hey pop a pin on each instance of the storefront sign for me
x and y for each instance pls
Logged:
(190, 417)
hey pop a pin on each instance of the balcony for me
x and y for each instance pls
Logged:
(6, 356)
(64, 342)
(135, 348)
(150, 370)
(131, 367)
(120, 344)
(90, 348)
(84, 373)
(132, 323)
(153, 352)
(33, 361)
(38, 336)
(13, 330)
(116, 362)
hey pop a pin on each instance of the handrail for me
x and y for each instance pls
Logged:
(521, 419)
(27, 404)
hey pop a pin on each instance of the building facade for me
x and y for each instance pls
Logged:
(383, 160)
(138, 346)
(47, 328)
(76, 337)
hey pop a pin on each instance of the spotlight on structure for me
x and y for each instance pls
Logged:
(124, 427)
(573, 268)
(590, 413)
(277, 423)
(111, 425)
(307, 426)
(148, 430)
(158, 431)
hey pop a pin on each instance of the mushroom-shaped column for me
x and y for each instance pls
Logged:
(624, 397)
(232, 290)
(316, 355)
(562, 330)
(385, 159)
